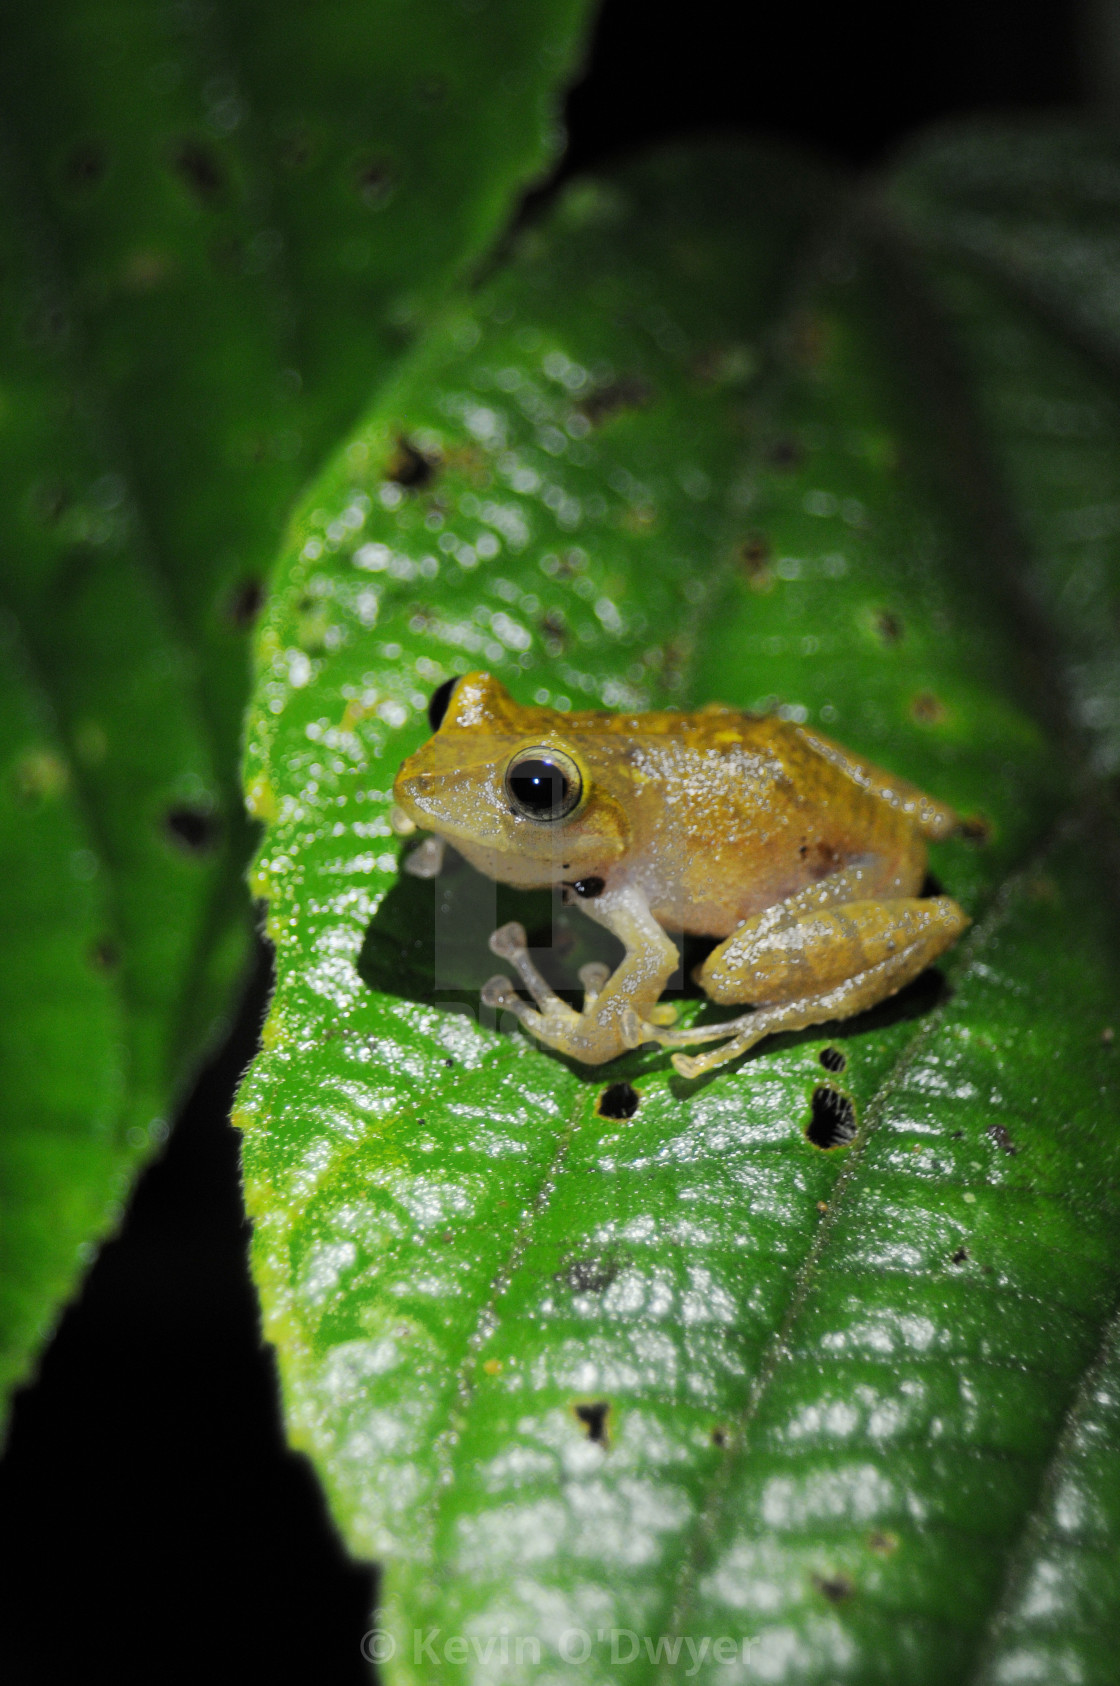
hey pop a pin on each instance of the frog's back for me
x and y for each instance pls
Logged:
(733, 812)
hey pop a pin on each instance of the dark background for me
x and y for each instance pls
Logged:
(157, 1526)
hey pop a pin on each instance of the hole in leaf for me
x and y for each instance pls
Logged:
(245, 604)
(594, 1416)
(193, 829)
(411, 467)
(1001, 1135)
(620, 1100)
(833, 1059)
(198, 166)
(836, 1588)
(437, 703)
(630, 392)
(833, 1119)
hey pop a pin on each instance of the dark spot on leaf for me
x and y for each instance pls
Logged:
(836, 1588)
(620, 1100)
(194, 829)
(589, 1275)
(882, 1543)
(833, 1059)
(554, 630)
(928, 709)
(594, 1416)
(449, 1061)
(245, 604)
(410, 467)
(719, 1437)
(375, 183)
(570, 564)
(977, 828)
(1001, 1135)
(197, 165)
(754, 556)
(785, 453)
(959, 1256)
(629, 392)
(84, 165)
(105, 955)
(832, 1122)
(888, 626)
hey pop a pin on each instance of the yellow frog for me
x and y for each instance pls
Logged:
(805, 859)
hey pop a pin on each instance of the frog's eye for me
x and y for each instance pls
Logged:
(543, 784)
(438, 703)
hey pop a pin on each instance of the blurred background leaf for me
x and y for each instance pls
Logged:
(218, 230)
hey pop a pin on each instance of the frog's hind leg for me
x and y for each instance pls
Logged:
(804, 966)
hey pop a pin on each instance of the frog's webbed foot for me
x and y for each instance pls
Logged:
(551, 1017)
(552, 1021)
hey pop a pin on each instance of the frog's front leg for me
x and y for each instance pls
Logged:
(615, 1003)
(803, 964)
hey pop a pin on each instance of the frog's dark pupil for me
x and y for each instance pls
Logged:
(539, 786)
(437, 703)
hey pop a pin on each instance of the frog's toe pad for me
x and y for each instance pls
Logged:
(508, 941)
(499, 992)
(593, 977)
(686, 1065)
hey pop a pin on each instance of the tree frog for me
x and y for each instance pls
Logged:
(805, 860)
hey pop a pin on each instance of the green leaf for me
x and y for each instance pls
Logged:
(1021, 227)
(186, 318)
(61, 1023)
(682, 1375)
